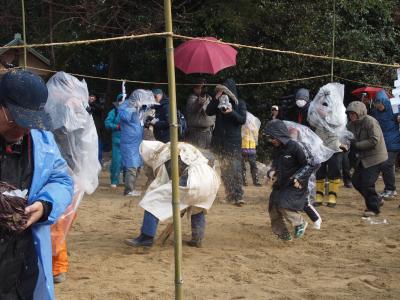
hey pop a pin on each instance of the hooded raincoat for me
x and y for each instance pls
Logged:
(388, 122)
(131, 135)
(291, 161)
(112, 123)
(369, 142)
(50, 183)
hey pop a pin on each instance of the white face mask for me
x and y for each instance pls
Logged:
(301, 103)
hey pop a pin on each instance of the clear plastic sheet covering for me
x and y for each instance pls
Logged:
(141, 97)
(251, 128)
(76, 137)
(328, 113)
(311, 140)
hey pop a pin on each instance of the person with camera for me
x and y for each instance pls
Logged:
(96, 109)
(160, 121)
(29, 159)
(199, 124)
(226, 143)
(368, 153)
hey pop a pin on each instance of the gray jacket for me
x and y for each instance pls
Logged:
(369, 142)
(196, 113)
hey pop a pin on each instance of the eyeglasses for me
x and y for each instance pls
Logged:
(6, 117)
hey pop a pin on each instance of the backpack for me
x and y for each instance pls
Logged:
(181, 126)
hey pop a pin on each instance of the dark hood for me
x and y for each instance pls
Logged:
(231, 85)
(303, 94)
(278, 130)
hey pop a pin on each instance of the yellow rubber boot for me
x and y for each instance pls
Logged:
(333, 192)
(319, 197)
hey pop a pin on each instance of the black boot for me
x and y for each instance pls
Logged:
(142, 240)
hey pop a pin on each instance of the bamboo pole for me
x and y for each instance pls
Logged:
(333, 39)
(174, 150)
(24, 31)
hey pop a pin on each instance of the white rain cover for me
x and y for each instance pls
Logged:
(251, 128)
(327, 111)
(311, 140)
(74, 129)
(141, 97)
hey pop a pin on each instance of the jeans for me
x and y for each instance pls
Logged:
(388, 171)
(252, 159)
(364, 180)
(150, 224)
(131, 175)
(231, 175)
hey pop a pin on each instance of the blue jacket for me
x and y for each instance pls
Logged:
(50, 183)
(388, 122)
(112, 121)
(161, 128)
(131, 136)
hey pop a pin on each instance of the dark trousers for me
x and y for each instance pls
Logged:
(332, 168)
(388, 171)
(346, 168)
(252, 159)
(18, 266)
(364, 180)
(200, 137)
(231, 175)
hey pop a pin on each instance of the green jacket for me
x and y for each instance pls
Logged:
(369, 141)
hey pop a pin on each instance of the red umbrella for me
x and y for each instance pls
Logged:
(202, 56)
(370, 91)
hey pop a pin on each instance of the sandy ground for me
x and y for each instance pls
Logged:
(241, 258)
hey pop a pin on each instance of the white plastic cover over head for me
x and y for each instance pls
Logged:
(311, 140)
(142, 97)
(74, 129)
(328, 111)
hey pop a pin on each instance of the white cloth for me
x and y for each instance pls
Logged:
(202, 185)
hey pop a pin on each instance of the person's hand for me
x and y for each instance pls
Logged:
(227, 111)
(34, 212)
(297, 184)
(154, 121)
(271, 176)
(118, 127)
(344, 148)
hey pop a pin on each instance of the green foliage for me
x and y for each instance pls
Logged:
(365, 30)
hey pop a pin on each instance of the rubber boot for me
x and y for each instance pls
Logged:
(198, 228)
(319, 197)
(333, 191)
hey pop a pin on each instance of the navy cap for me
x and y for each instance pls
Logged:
(25, 95)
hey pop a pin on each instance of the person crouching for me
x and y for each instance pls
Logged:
(291, 172)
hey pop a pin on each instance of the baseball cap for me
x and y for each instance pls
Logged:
(25, 95)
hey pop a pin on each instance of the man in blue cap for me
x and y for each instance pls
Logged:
(29, 159)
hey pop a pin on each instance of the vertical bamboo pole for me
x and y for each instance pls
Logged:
(333, 38)
(24, 31)
(174, 151)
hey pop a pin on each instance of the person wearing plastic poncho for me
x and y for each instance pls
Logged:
(112, 123)
(131, 115)
(36, 165)
(249, 143)
(198, 187)
(319, 154)
(327, 115)
(76, 137)
(292, 168)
